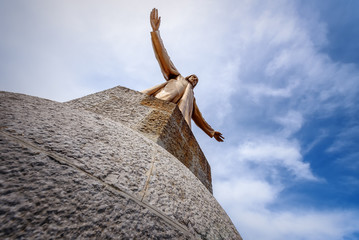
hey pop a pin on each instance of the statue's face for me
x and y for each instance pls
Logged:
(193, 80)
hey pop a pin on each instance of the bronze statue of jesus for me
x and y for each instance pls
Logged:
(176, 89)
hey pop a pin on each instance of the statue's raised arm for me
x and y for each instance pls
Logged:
(176, 89)
(168, 69)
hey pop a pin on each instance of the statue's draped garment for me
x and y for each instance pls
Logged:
(176, 89)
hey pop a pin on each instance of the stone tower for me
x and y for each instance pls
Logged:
(112, 165)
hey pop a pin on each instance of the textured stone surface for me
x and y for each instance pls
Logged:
(160, 121)
(42, 198)
(71, 173)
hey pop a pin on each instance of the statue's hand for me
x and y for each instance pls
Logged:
(218, 136)
(155, 20)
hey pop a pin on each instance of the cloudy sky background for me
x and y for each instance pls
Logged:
(280, 80)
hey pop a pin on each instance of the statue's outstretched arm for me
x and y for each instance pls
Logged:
(202, 124)
(168, 69)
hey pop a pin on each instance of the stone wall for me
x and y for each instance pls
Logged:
(158, 120)
(70, 173)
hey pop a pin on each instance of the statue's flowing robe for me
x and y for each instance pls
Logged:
(176, 89)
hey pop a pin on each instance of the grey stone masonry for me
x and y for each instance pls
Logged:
(158, 120)
(70, 173)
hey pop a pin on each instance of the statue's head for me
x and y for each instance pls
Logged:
(193, 79)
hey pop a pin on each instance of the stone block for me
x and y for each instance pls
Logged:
(158, 120)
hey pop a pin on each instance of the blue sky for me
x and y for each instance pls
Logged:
(279, 79)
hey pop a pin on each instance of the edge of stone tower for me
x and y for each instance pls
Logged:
(158, 120)
(75, 172)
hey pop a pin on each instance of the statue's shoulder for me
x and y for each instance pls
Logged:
(180, 78)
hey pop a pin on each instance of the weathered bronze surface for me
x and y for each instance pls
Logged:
(176, 89)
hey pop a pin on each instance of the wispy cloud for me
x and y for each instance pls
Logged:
(272, 152)
(346, 139)
(250, 202)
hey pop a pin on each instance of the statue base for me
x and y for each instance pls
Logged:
(158, 120)
(101, 173)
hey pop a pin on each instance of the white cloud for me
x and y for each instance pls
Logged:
(291, 122)
(249, 204)
(275, 152)
(299, 224)
(260, 90)
(249, 194)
